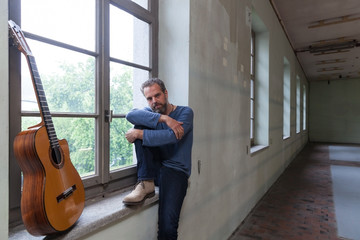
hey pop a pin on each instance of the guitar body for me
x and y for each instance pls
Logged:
(53, 196)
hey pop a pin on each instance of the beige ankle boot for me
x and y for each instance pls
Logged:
(142, 191)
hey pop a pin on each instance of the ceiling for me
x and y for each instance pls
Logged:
(325, 35)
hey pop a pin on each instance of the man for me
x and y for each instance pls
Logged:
(163, 137)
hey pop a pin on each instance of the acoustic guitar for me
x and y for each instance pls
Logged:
(53, 195)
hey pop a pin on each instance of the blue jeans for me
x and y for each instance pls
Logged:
(172, 188)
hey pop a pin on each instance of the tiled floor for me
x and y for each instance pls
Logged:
(299, 205)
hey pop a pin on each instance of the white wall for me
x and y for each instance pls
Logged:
(335, 111)
(4, 123)
(174, 49)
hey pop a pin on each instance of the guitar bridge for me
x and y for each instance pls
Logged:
(67, 193)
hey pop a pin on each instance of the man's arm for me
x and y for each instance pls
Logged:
(178, 130)
(150, 119)
(133, 134)
(161, 137)
(143, 117)
(175, 125)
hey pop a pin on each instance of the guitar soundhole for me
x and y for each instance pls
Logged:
(56, 156)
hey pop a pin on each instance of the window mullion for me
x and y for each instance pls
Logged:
(104, 90)
(154, 31)
(15, 119)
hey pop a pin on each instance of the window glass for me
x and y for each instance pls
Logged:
(298, 104)
(27, 122)
(251, 129)
(129, 37)
(68, 79)
(286, 99)
(125, 83)
(68, 21)
(123, 156)
(252, 109)
(80, 135)
(304, 107)
(125, 94)
(260, 76)
(252, 87)
(143, 3)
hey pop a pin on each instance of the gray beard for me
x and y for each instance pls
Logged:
(160, 110)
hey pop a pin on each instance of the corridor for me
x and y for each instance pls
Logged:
(317, 197)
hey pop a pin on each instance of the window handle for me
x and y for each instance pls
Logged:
(108, 115)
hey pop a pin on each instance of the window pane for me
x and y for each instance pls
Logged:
(125, 85)
(252, 47)
(68, 79)
(251, 109)
(286, 101)
(252, 66)
(68, 21)
(297, 104)
(80, 135)
(121, 151)
(252, 89)
(27, 122)
(251, 129)
(143, 3)
(129, 37)
(304, 107)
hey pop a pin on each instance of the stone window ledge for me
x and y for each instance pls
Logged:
(98, 212)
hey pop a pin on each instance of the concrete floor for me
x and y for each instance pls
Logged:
(317, 197)
(346, 188)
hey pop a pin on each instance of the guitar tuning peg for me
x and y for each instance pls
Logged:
(12, 43)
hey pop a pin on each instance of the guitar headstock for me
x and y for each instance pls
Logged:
(18, 38)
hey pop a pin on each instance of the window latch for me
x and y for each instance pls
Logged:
(108, 116)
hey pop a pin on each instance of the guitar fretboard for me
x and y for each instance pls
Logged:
(44, 109)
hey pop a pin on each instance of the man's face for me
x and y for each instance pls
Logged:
(156, 98)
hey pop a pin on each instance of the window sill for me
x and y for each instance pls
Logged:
(257, 148)
(98, 212)
(286, 137)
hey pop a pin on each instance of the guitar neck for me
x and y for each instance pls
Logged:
(44, 108)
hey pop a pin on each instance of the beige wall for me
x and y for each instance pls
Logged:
(335, 111)
(231, 181)
(4, 123)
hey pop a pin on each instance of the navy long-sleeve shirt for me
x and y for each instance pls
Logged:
(176, 153)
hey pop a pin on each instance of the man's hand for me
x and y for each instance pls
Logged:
(174, 125)
(133, 134)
